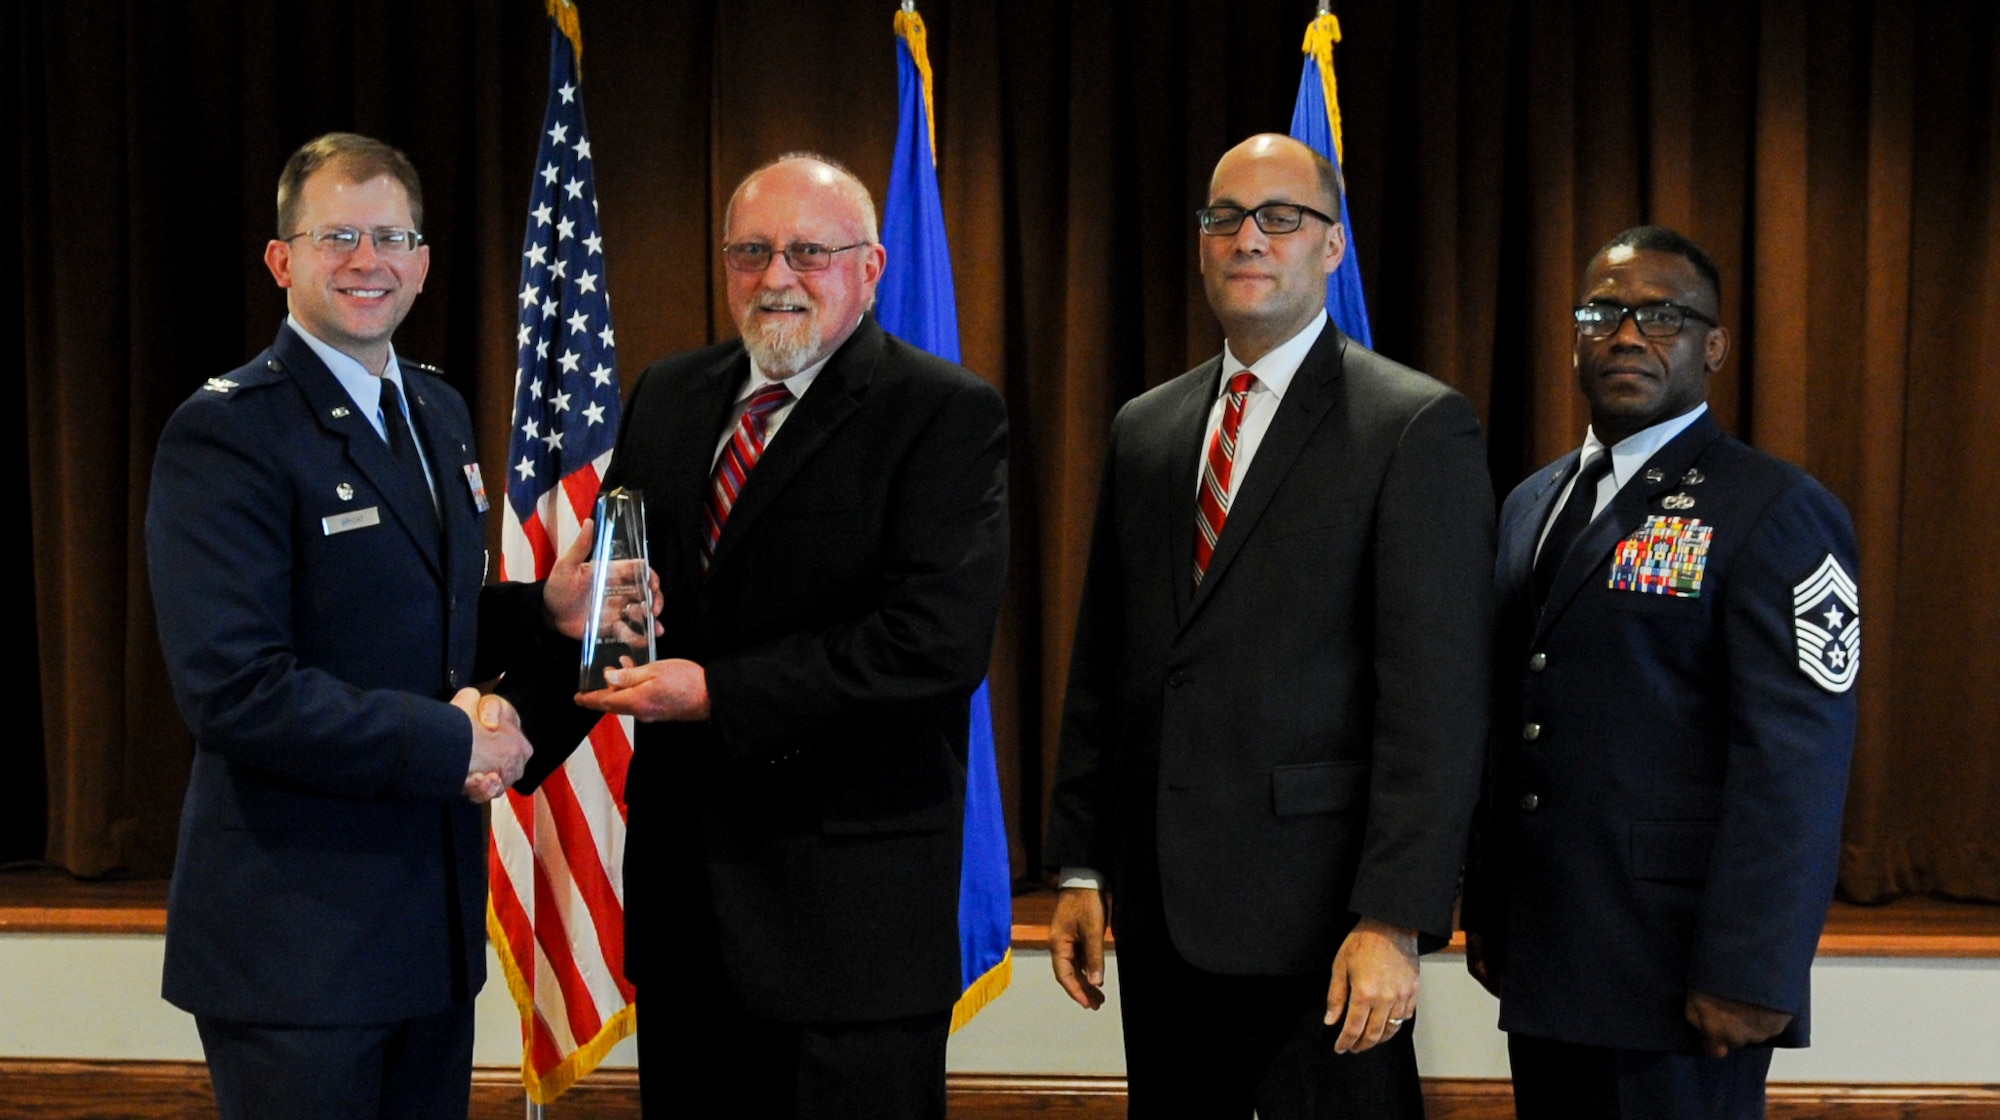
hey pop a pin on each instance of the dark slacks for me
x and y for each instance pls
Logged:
(891, 1069)
(1569, 1081)
(417, 1069)
(1202, 1045)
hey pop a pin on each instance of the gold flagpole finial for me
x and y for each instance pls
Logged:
(910, 27)
(565, 15)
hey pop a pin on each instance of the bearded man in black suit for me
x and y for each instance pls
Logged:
(827, 513)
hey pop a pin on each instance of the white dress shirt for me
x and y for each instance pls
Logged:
(798, 383)
(1272, 375)
(365, 390)
(1627, 457)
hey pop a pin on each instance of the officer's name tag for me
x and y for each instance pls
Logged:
(344, 522)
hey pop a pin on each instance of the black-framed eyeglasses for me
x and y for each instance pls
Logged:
(803, 256)
(1655, 320)
(390, 241)
(1272, 217)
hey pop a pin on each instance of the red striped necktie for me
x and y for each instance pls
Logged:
(732, 468)
(1212, 506)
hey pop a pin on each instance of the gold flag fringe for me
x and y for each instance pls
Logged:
(564, 13)
(910, 27)
(1321, 35)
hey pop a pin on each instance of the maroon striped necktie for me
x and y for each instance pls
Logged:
(732, 468)
(1212, 506)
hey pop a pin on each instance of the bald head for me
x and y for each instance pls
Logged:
(808, 174)
(1283, 151)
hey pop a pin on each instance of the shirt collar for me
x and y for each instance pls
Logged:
(1274, 370)
(798, 383)
(1634, 450)
(362, 386)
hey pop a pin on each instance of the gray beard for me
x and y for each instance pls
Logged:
(780, 351)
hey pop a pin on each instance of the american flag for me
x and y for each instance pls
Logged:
(557, 916)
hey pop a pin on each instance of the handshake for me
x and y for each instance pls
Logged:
(499, 750)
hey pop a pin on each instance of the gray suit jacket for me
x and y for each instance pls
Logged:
(1297, 743)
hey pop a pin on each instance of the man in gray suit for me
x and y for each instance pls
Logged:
(1277, 699)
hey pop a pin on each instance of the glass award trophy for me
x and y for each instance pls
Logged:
(621, 590)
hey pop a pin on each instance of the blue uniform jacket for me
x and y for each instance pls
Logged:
(1667, 769)
(315, 613)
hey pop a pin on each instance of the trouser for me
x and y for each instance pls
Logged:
(415, 1069)
(1570, 1081)
(1198, 1044)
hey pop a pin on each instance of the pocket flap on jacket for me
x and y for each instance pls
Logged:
(1672, 849)
(1318, 787)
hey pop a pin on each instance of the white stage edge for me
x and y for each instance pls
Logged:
(1875, 1019)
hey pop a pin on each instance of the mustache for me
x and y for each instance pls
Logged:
(767, 301)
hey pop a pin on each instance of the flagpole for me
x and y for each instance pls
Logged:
(552, 853)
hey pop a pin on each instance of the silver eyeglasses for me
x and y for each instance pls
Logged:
(803, 256)
(390, 241)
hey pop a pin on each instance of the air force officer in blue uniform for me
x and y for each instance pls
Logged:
(314, 542)
(1678, 642)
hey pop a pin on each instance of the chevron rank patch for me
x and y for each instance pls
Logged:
(1826, 614)
(1667, 556)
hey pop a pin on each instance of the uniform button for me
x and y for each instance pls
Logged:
(1538, 662)
(1530, 802)
(1531, 732)
(1176, 679)
(451, 678)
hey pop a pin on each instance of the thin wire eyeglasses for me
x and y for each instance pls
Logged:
(802, 256)
(390, 241)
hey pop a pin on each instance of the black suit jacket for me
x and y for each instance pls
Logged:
(1672, 819)
(330, 870)
(1298, 742)
(813, 826)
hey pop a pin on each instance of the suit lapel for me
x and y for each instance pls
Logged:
(1517, 564)
(1298, 416)
(685, 445)
(409, 500)
(448, 453)
(1187, 442)
(1626, 514)
(835, 394)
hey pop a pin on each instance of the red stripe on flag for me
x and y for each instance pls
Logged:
(515, 927)
(553, 936)
(537, 536)
(593, 883)
(542, 1050)
(614, 758)
(580, 486)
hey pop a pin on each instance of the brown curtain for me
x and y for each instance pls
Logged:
(1837, 158)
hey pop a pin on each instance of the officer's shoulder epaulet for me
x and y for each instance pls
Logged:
(426, 367)
(265, 371)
